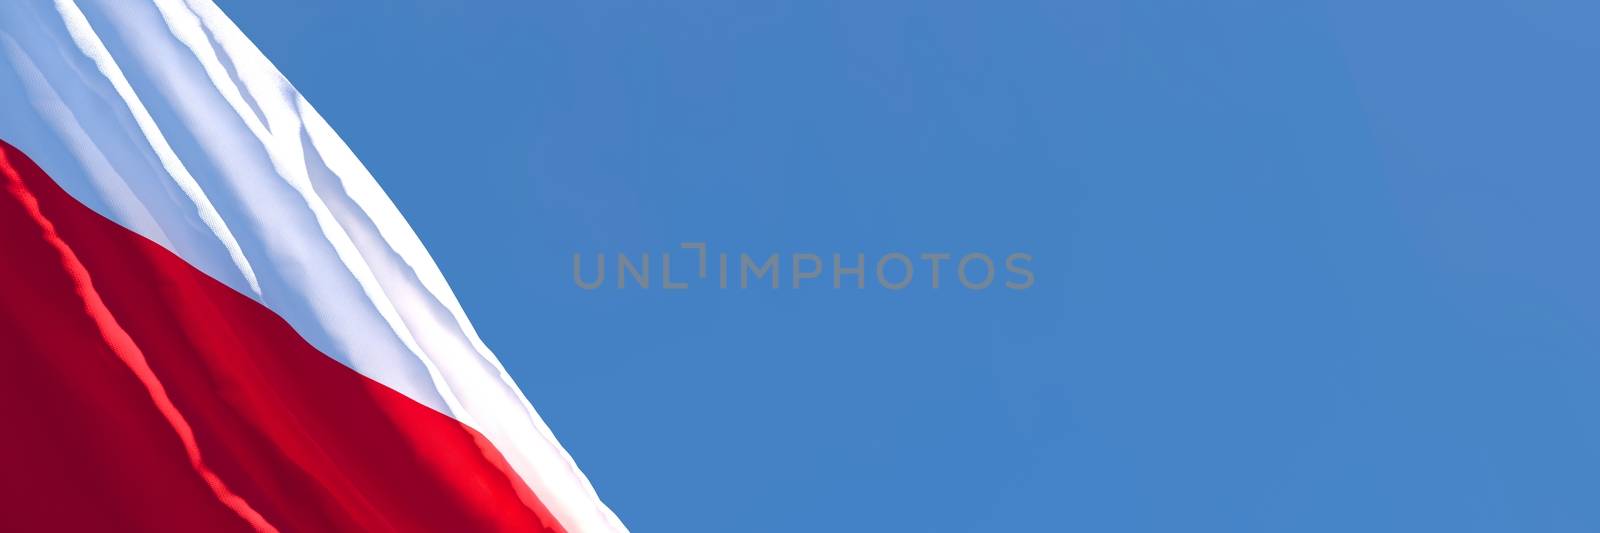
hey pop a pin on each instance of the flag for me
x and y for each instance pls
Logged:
(212, 318)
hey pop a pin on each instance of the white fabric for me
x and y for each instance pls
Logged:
(163, 116)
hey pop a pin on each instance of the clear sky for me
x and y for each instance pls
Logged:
(1300, 266)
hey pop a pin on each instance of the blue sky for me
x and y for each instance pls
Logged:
(1301, 266)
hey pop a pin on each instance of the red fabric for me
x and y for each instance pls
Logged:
(139, 394)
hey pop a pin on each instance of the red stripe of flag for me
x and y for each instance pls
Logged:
(139, 394)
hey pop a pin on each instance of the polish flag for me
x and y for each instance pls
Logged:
(213, 319)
